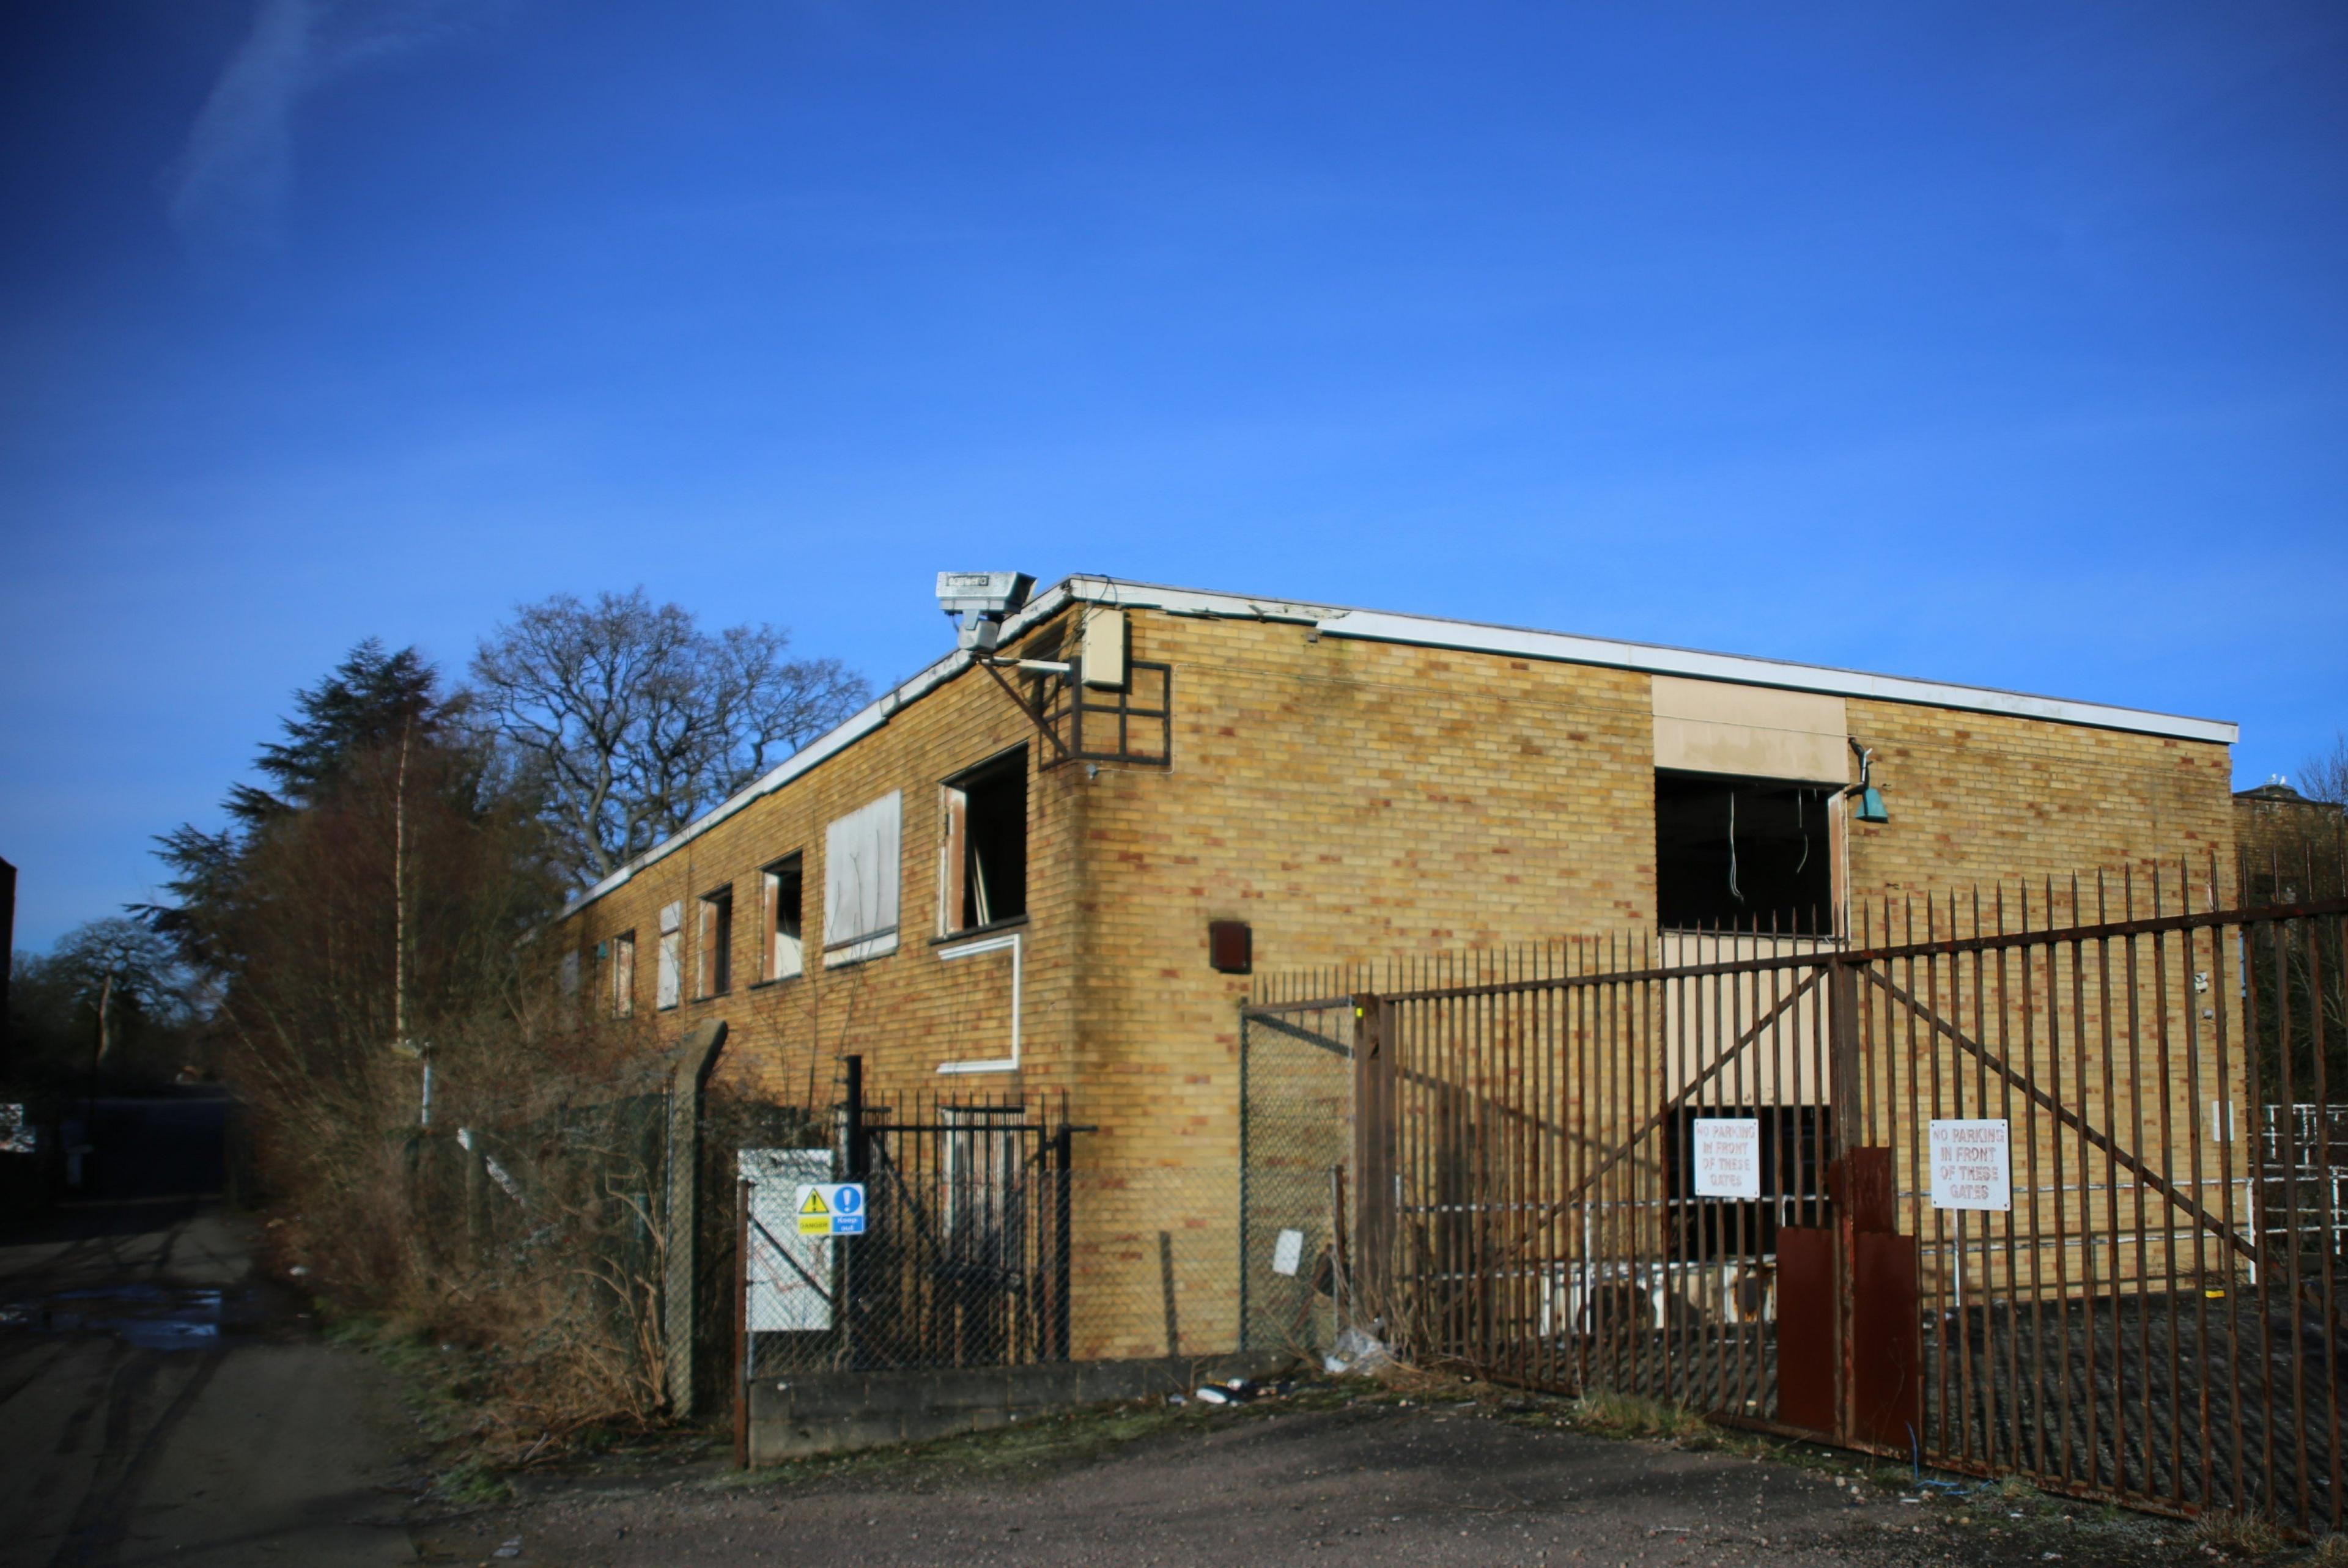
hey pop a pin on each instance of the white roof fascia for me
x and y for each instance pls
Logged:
(1378, 625)
(1471, 637)
(1423, 632)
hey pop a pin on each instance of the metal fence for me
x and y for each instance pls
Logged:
(980, 1236)
(2036, 1182)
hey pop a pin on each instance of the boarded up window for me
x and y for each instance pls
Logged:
(860, 873)
(668, 984)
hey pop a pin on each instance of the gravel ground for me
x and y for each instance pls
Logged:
(1328, 1475)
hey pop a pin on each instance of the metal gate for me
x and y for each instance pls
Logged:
(963, 1256)
(2040, 1183)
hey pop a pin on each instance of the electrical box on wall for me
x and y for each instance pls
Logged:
(1230, 946)
(1100, 656)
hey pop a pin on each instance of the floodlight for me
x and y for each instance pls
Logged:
(979, 601)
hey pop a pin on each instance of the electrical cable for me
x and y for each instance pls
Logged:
(1734, 890)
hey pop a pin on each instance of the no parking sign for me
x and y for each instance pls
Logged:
(832, 1208)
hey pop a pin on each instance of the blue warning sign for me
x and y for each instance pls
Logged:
(831, 1208)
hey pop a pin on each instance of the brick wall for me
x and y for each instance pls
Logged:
(907, 1012)
(1352, 800)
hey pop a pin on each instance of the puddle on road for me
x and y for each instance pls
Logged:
(151, 1317)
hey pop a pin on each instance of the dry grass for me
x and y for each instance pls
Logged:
(1629, 1416)
(2330, 1552)
(2231, 1534)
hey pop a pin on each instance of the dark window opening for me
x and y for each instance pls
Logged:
(781, 888)
(1795, 1148)
(986, 850)
(1751, 854)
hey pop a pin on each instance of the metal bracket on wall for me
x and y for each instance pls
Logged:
(1034, 712)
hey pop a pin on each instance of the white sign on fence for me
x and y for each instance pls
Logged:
(1288, 1253)
(789, 1274)
(1972, 1166)
(1727, 1157)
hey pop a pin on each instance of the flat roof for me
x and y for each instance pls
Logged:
(1429, 631)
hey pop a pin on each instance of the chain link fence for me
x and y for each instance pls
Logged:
(1296, 1102)
(980, 1238)
(551, 1225)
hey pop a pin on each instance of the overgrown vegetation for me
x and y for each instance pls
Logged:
(449, 1144)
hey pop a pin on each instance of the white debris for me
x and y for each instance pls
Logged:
(1356, 1352)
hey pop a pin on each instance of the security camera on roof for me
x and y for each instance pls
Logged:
(980, 600)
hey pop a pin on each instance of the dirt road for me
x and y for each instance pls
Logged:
(160, 1401)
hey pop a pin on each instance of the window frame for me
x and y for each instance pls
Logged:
(771, 966)
(623, 979)
(957, 855)
(668, 980)
(713, 943)
(1818, 919)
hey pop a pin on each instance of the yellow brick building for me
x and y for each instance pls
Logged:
(1003, 880)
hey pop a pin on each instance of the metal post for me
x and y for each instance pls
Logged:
(742, 1348)
(1064, 1149)
(854, 1149)
(1373, 1159)
(854, 1152)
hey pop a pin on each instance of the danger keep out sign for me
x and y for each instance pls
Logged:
(832, 1208)
(1972, 1166)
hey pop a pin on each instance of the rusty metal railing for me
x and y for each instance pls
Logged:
(2043, 1183)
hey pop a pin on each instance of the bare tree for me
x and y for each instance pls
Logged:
(2324, 776)
(122, 973)
(632, 721)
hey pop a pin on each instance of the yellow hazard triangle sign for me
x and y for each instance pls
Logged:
(813, 1204)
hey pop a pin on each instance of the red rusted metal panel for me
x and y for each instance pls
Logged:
(1887, 1340)
(1860, 1185)
(1806, 1327)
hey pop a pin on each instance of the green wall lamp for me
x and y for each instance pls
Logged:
(1869, 807)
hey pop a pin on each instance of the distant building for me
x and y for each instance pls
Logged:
(2291, 847)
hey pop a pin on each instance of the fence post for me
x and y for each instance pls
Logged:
(696, 1054)
(854, 1154)
(1374, 1130)
(1849, 1131)
(742, 1346)
(1063, 1160)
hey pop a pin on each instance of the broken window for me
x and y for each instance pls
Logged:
(623, 974)
(715, 940)
(667, 983)
(1740, 853)
(779, 895)
(984, 860)
(861, 872)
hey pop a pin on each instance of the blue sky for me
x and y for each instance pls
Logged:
(1993, 343)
